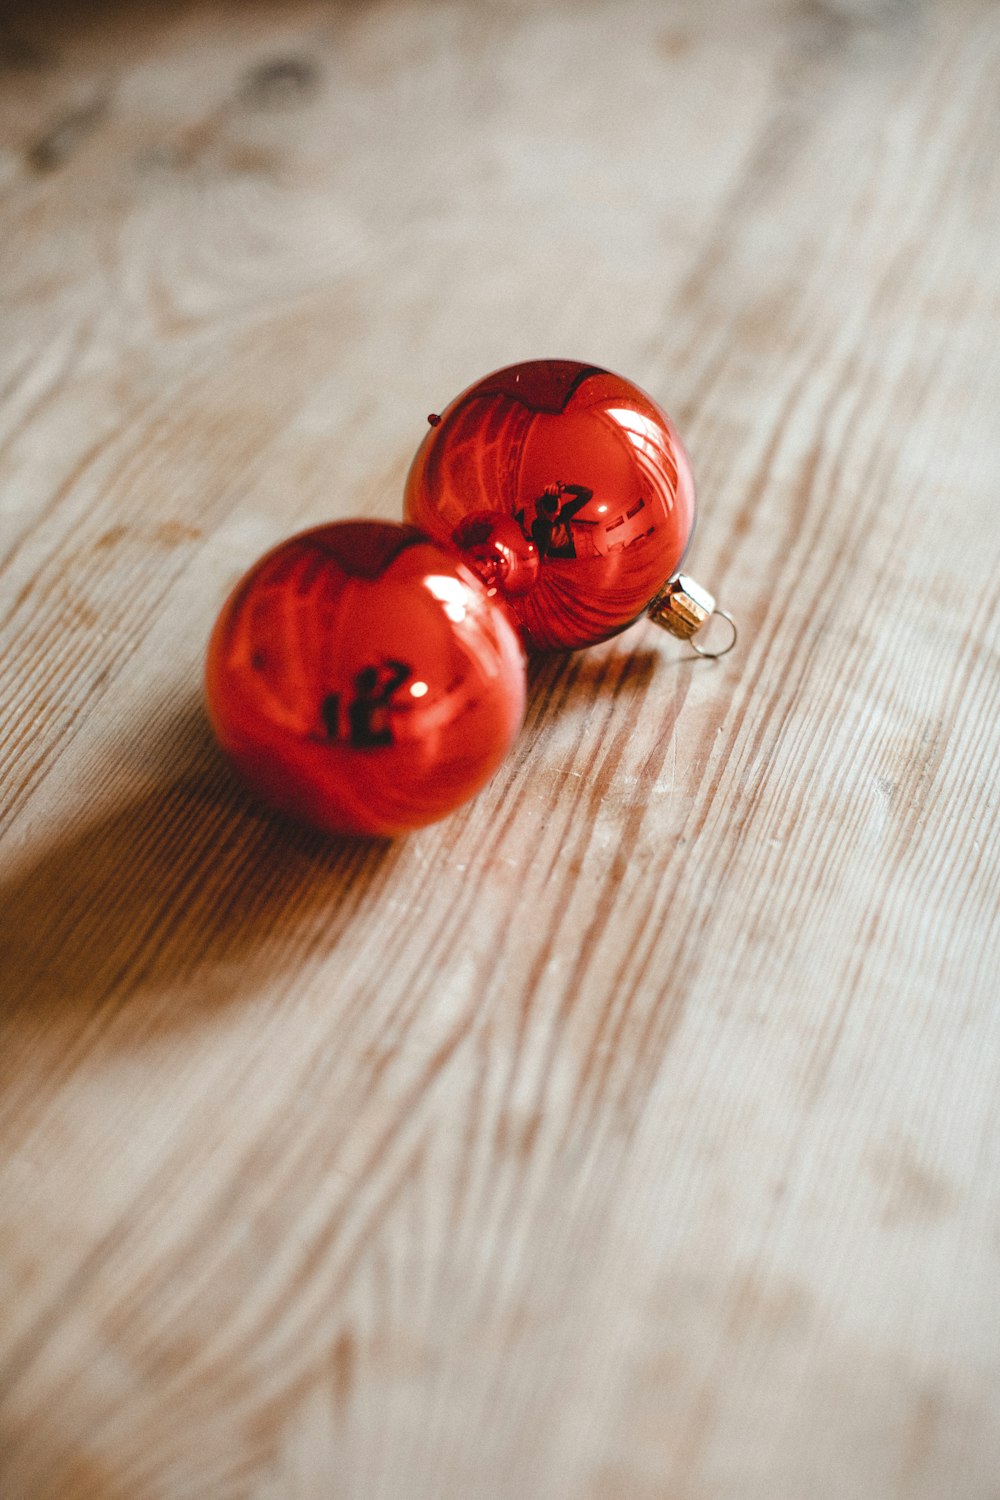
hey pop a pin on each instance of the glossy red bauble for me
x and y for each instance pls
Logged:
(569, 491)
(361, 679)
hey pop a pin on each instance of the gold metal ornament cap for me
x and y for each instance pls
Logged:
(683, 607)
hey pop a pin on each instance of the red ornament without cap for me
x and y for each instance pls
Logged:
(360, 678)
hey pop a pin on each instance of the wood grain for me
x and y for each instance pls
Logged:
(633, 1134)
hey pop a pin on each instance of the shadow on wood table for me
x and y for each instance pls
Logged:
(176, 889)
(179, 887)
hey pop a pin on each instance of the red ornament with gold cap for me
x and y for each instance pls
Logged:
(569, 490)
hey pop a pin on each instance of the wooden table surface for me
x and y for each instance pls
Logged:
(634, 1133)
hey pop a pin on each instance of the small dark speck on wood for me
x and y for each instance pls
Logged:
(283, 81)
(57, 144)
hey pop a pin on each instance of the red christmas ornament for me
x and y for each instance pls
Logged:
(569, 491)
(360, 678)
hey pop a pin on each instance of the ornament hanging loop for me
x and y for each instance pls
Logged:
(683, 607)
(734, 636)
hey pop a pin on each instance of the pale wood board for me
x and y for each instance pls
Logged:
(632, 1134)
